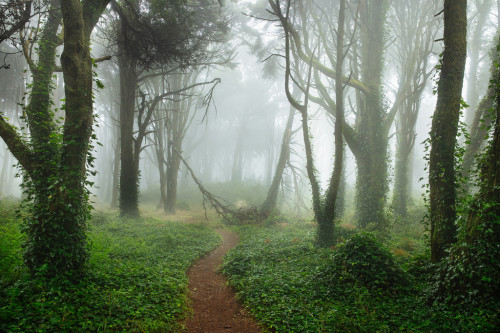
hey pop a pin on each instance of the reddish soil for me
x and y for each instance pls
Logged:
(214, 304)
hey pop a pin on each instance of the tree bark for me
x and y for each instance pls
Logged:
(444, 129)
(325, 234)
(324, 209)
(483, 119)
(484, 215)
(129, 177)
(173, 166)
(371, 124)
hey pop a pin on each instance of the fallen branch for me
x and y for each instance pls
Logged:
(219, 204)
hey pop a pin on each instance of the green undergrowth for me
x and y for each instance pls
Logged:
(136, 280)
(359, 285)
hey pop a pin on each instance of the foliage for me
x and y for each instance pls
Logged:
(468, 276)
(365, 261)
(10, 242)
(136, 282)
(280, 276)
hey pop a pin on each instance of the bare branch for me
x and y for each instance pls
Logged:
(220, 206)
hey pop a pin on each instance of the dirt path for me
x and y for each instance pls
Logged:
(214, 304)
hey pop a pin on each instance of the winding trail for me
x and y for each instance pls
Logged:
(213, 302)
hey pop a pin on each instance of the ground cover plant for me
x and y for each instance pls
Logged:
(359, 285)
(136, 281)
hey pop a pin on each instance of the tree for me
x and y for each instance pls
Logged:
(483, 218)
(151, 37)
(481, 123)
(13, 16)
(324, 209)
(269, 203)
(415, 27)
(173, 109)
(473, 265)
(368, 138)
(56, 163)
(444, 129)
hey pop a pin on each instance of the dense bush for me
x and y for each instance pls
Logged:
(136, 282)
(469, 277)
(364, 261)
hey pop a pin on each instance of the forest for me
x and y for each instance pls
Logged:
(249, 166)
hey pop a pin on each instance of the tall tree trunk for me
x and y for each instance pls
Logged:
(444, 129)
(269, 203)
(173, 166)
(323, 208)
(341, 195)
(371, 132)
(482, 121)
(404, 148)
(325, 233)
(129, 177)
(55, 164)
(479, 128)
(483, 218)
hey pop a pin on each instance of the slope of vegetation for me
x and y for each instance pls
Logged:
(136, 280)
(359, 285)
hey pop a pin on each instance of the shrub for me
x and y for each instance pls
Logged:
(364, 261)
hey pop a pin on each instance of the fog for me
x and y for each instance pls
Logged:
(233, 124)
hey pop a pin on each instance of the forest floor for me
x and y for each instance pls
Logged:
(214, 304)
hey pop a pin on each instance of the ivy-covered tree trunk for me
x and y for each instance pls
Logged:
(484, 217)
(55, 163)
(473, 266)
(444, 129)
(371, 125)
(483, 119)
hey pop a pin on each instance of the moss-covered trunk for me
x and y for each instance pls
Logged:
(129, 177)
(55, 162)
(444, 129)
(371, 131)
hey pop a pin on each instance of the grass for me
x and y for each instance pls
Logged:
(136, 282)
(292, 286)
